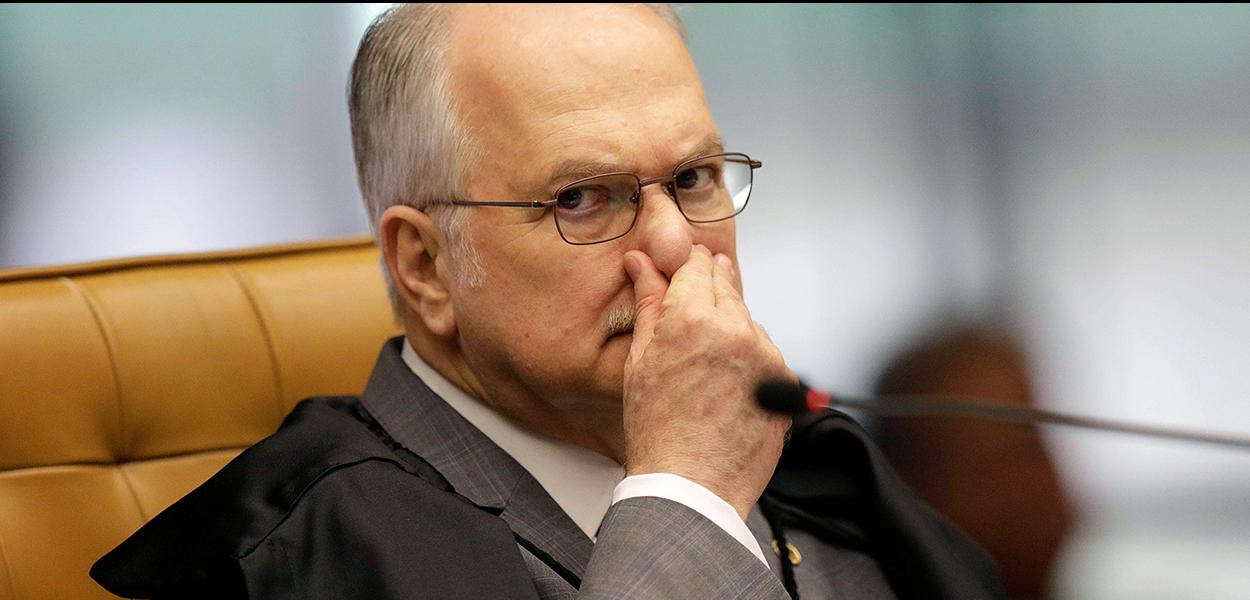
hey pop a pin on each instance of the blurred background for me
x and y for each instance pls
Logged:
(1040, 204)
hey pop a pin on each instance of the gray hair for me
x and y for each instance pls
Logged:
(410, 146)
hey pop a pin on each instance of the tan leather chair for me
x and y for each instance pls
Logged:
(124, 384)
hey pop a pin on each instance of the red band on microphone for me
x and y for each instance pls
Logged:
(817, 400)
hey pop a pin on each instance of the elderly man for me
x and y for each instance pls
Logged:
(570, 411)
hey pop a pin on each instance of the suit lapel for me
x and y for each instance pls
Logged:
(417, 418)
(533, 515)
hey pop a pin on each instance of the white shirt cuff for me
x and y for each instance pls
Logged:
(694, 496)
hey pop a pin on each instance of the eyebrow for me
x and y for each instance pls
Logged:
(574, 169)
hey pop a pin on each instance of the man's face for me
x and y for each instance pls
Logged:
(542, 88)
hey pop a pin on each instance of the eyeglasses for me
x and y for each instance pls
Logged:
(604, 207)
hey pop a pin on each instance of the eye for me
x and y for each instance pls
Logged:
(695, 178)
(569, 199)
(582, 199)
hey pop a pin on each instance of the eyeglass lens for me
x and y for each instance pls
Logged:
(603, 208)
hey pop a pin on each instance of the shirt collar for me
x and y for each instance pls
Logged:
(579, 480)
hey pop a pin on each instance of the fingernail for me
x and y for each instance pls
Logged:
(724, 262)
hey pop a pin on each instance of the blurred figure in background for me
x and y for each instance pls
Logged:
(995, 481)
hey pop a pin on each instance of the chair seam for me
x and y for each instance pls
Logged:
(134, 495)
(110, 345)
(244, 285)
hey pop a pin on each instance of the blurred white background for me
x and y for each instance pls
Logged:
(1075, 174)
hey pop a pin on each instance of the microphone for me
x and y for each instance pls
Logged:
(796, 398)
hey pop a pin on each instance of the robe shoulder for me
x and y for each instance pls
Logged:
(298, 512)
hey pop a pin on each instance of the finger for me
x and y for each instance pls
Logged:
(650, 287)
(693, 281)
(727, 294)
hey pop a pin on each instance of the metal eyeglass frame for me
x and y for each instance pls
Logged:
(668, 190)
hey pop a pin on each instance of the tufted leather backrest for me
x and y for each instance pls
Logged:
(124, 384)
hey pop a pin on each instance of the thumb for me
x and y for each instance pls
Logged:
(650, 285)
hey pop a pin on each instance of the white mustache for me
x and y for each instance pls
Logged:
(620, 319)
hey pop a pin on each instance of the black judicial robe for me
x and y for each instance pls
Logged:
(222, 540)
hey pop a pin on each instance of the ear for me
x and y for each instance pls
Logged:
(411, 244)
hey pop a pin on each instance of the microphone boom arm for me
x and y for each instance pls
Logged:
(802, 398)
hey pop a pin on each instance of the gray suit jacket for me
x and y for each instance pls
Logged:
(647, 547)
(394, 495)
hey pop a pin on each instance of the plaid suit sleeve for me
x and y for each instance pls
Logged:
(653, 548)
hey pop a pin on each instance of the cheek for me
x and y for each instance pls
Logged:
(719, 237)
(562, 300)
(584, 289)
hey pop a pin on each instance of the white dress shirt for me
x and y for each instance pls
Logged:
(582, 482)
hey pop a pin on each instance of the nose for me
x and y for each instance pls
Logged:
(662, 231)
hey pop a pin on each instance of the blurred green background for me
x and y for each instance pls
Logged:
(1076, 175)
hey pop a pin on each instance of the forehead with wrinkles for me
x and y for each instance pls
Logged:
(555, 80)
